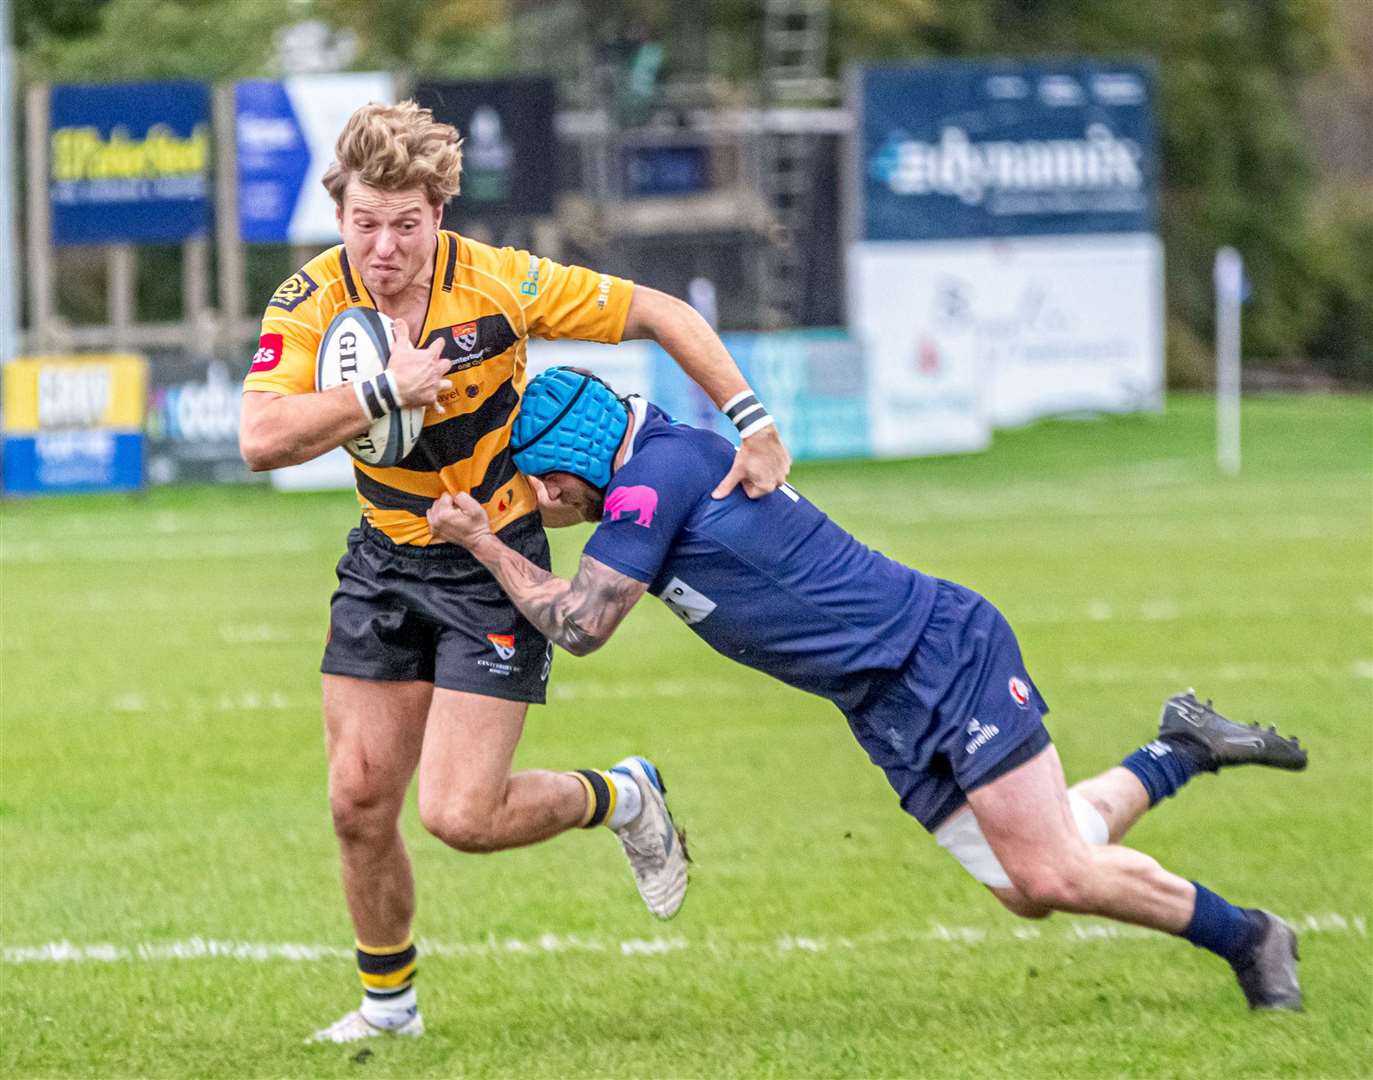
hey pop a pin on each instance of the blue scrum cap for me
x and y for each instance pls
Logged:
(569, 422)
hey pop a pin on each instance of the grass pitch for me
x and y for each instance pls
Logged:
(170, 896)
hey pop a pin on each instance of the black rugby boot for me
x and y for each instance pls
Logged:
(1212, 741)
(1268, 975)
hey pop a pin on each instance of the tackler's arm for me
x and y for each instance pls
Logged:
(577, 615)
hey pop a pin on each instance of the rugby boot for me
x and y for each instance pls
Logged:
(1268, 975)
(655, 847)
(353, 1027)
(1213, 741)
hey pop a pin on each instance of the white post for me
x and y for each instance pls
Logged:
(1229, 284)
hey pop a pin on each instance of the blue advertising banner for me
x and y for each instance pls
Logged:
(129, 163)
(957, 149)
(272, 160)
(284, 137)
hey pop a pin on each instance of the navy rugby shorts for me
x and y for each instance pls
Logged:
(403, 612)
(961, 713)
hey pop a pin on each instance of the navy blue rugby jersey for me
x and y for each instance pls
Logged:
(772, 583)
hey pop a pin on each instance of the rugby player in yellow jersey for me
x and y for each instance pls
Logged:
(429, 666)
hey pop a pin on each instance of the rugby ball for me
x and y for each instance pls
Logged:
(357, 345)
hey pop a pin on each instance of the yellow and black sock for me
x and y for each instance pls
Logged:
(600, 796)
(388, 977)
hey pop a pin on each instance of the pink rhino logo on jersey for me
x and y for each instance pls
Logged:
(637, 499)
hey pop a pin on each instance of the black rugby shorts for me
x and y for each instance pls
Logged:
(435, 614)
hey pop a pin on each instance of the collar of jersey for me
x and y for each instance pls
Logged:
(639, 407)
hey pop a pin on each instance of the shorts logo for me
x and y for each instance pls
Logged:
(637, 499)
(979, 735)
(268, 355)
(1020, 692)
(292, 292)
(466, 336)
(504, 644)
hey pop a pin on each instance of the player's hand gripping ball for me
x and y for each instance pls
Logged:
(356, 349)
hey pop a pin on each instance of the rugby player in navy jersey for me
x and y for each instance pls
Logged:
(928, 673)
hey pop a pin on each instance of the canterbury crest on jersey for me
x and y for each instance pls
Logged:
(482, 307)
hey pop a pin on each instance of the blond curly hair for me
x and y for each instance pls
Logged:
(395, 148)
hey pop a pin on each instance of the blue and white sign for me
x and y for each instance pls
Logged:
(1003, 148)
(285, 141)
(129, 163)
(1006, 264)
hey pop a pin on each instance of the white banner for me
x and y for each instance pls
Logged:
(323, 104)
(921, 400)
(1045, 325)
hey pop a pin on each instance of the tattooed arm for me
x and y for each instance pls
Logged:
(580, 615)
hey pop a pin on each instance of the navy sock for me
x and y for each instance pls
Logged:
(1219, 926)
(1161, 769)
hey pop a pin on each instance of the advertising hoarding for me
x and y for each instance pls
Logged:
(508, 144)
(1006, 148)
(129, 163)
(193, 417)
(1005, 236)
(74, 423)
(284, 136)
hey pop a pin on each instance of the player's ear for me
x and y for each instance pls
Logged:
(552, 489)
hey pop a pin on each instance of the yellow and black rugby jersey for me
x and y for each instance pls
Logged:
(485, 303)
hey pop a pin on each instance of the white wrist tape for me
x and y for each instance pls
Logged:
(377, 395)
(746, 413)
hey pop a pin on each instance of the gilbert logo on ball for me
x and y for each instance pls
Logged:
(1020, 691)
(357, 346)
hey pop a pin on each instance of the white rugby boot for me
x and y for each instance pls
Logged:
(354, 1027)
(655, 847)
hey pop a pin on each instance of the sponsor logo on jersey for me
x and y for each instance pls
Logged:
(469, 344)
(504, 644)
(530, 285)
(1020, 692)
(603, 292)
(293, 292)
(268, 355)
(979, 735)
(637, 499)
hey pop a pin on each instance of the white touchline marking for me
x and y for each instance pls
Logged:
(254, 633)
(1159, 611)
(1069, 931)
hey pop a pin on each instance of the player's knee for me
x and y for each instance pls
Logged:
(361, 811)
(1057, 888)
(464, 826)
(360, 814)
(1019, 905)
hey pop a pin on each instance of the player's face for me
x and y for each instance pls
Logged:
(389, 237)
(572, 491)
